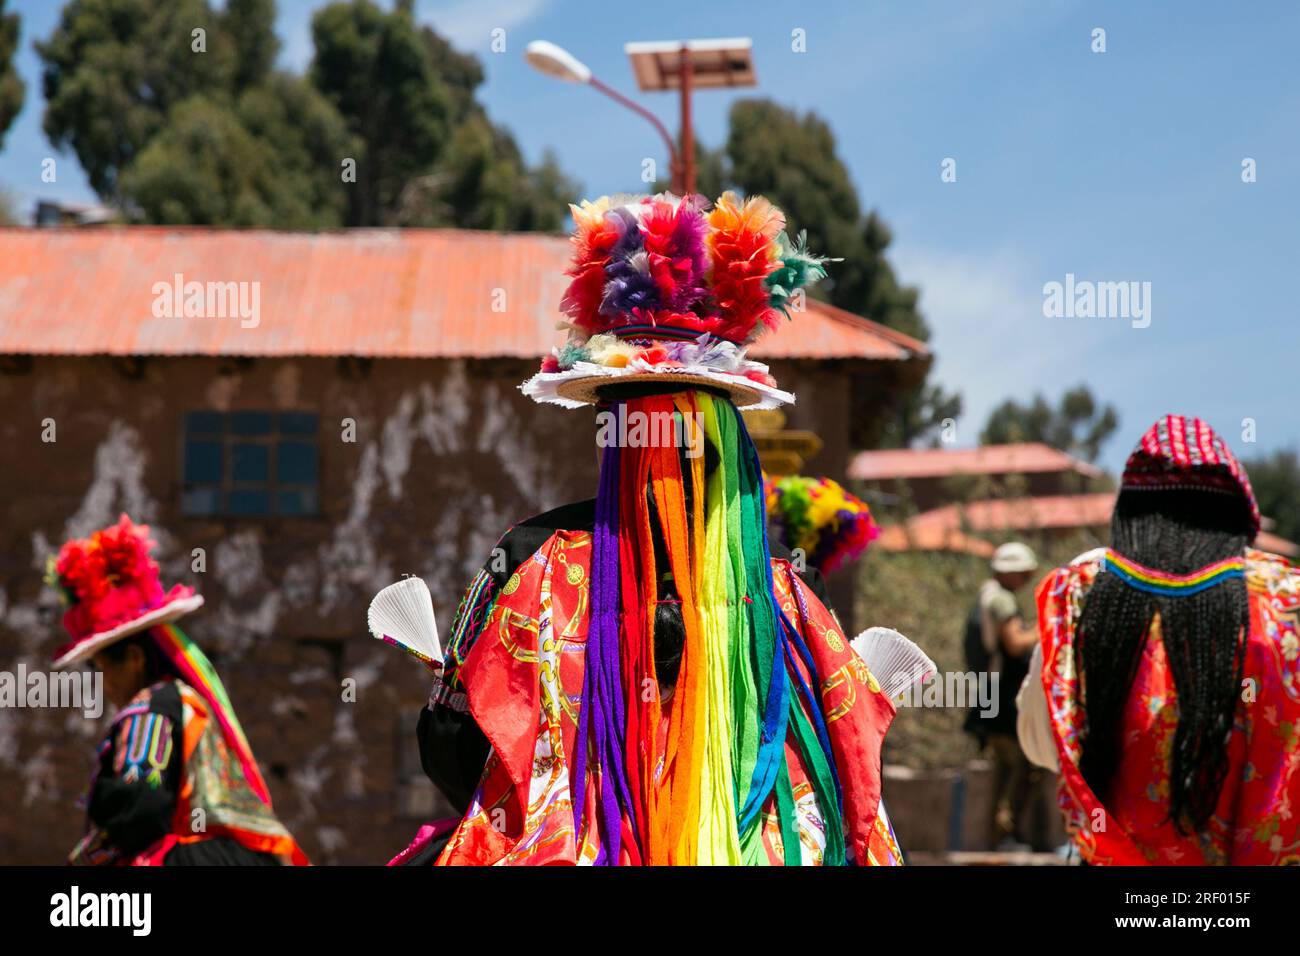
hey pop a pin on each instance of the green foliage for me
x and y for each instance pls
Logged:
(374, 67)
(113, 71)
(1276, 481)
(12, 88)
(251, 165)
(481, 182)
(218, 137)
(250, 24)
(480, 179)
(1078, 425)
(927, 595)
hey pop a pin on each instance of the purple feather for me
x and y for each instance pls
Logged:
(629, 241)
(629, 287)
(690, 235)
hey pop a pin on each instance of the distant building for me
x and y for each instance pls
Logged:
(1045, 505)
(50, 213)
(336, 410)
(930, 477)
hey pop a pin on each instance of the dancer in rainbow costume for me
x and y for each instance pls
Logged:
(643, 678)
(175, 782)
(1166, 687)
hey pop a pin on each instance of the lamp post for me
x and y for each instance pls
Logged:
(682, 65)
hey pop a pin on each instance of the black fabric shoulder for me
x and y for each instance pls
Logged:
(522, 541)
(165, 699)
(809, 575)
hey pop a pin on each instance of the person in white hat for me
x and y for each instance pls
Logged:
(999, 643)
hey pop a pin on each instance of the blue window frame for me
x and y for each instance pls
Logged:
(250, 464)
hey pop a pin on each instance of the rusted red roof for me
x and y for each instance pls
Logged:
(382, 293)
(904, 537)
(1044, 513)
(1017, 459)
(944, 529)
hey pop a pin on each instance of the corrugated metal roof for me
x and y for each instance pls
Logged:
(941, 528)
(1019, 459)
(381, 293)
(1023, 514)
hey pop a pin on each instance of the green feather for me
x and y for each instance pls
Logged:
(573, 353)
(799, 269)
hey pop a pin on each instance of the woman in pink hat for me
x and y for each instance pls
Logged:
(1165, 685)
(175, 781)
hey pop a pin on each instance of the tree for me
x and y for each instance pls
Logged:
(250, 24)
(113, 71)
(12, 88)
(1276, 481)
(480, 179)
(175, 130)
(176, 115)
(791, 159)
(1077, 425)
(374, 67)
(270, 161)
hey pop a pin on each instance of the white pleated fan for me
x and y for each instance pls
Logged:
(402, 615)
(896, 662)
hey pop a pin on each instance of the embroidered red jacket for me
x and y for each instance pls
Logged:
(523, 678)
(1256, 820)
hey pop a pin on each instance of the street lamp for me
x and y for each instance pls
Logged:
(675, 64)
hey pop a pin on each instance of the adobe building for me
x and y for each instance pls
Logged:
(930, 477)
(364, 423)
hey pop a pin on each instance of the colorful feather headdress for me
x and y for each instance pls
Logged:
(667, 289)
(816, 515)
(110, 587)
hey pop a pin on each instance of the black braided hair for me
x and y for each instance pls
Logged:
(1176, 531)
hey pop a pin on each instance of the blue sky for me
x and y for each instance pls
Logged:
(1115, 166)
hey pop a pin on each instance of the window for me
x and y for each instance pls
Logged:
(250, 464)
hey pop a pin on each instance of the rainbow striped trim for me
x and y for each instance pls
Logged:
(1172, 585)
(654, 331)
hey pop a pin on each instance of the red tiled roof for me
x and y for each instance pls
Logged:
(903, 537)
(1045, 513)
(1017, 459)
(944, 529)
(397, 293)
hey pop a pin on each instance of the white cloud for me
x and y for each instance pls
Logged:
(469, 23)
(970, 304)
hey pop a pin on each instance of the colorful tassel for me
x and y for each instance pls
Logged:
(818, 517)
(692, 794)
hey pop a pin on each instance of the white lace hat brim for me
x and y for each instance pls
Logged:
(159, 615)
(580, 385)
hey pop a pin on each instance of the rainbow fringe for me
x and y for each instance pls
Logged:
(746, 683)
